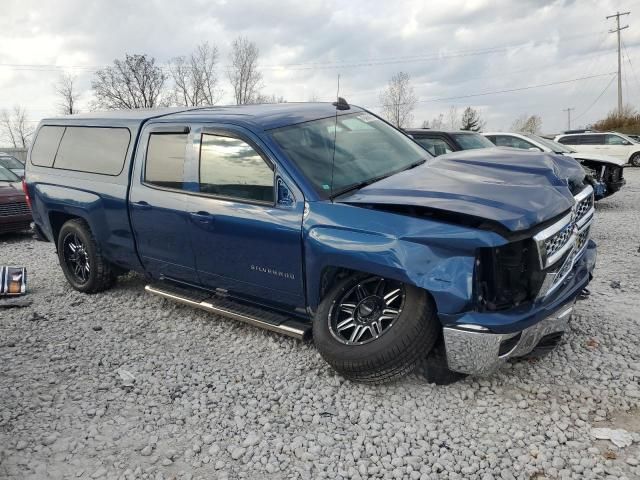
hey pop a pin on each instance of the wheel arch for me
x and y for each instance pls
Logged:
(446, 276)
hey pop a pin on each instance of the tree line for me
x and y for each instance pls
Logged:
(138, 81)
(398, 102)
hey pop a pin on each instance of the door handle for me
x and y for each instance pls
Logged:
(202, 217)
(142, 205)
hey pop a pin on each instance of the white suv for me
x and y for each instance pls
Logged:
(609, 143)
(605, 171)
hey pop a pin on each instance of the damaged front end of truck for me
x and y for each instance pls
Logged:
(511, 259)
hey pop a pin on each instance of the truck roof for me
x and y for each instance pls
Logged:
(265, 116)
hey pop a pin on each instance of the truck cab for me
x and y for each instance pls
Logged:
(319, 220)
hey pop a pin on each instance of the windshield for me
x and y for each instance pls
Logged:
(8, 175)
(10, 162)
(470, 141)
(366, 149)
(629, 139)
(554, 146)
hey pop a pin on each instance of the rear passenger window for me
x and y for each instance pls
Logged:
(164, 165)
(44, 148)
(592, 139)
(231, 168)
(93, 150)
(568, 140)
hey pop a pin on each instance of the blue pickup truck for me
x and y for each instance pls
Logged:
(320, 219)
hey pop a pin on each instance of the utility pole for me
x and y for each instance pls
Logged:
(617, 30)
(568, 110)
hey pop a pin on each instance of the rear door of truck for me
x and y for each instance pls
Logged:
(158, 202)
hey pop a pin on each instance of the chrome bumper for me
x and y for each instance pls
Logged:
(478, 353)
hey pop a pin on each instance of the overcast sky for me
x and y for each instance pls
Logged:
(450, 48)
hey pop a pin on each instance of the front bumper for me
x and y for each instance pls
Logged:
(614, 186)
(478, 343)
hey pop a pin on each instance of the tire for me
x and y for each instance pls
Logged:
(389, 350)
(99, 275)
(635, 160)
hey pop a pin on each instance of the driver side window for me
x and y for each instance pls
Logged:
(514, 142)
(231, 168)
(615, 140)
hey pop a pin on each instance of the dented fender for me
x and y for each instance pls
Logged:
(436, 256)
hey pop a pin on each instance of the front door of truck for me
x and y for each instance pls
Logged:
(158, 203)
(245, 218)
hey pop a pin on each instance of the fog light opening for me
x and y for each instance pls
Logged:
(507, 346)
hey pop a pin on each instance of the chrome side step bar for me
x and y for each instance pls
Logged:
(272, 321)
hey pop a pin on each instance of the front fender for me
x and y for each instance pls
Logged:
(432, 255)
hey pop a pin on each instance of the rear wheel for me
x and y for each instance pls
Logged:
(81, 259)
(635, 160)
(371, 329)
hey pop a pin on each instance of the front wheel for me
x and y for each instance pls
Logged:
(374, 330)
(81, 259)
(635, 160)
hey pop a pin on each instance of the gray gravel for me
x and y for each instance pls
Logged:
(213, 398)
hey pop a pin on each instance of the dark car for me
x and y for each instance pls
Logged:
(320, 219)
(15, 215)
(12, 163)
(438, 142)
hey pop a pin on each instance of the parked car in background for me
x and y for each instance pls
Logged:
(612, 144)
(607, 172)
(323, 219)
(15, 215)
(438, 142)
(12, 163)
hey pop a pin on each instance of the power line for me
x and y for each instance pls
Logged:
(633, 70)
(517, 89)
(596, 100)
(318, 65)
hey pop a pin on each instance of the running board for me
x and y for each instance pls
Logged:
(268, 320)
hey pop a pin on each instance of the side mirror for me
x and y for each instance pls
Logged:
(534, 149)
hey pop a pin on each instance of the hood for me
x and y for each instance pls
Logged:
(597, 158)
(14, 189)
(517, 189)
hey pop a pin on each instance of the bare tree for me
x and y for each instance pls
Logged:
(15, 127)
(195, 78)
(453, 118)
(269, 99)
(243, 73)
(135, 82)
(67, 91)
(398, 100)
(527, 123)
(437, 122)
(471, 120)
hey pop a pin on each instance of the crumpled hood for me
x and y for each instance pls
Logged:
(518, 189)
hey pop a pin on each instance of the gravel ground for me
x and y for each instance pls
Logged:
(213, 398)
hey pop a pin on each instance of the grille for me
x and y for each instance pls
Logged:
(583, 207)
(554, 243)
(15, 208)
(583, 236)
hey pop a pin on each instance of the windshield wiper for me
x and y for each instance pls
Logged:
(357, 186)
(415, 164)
